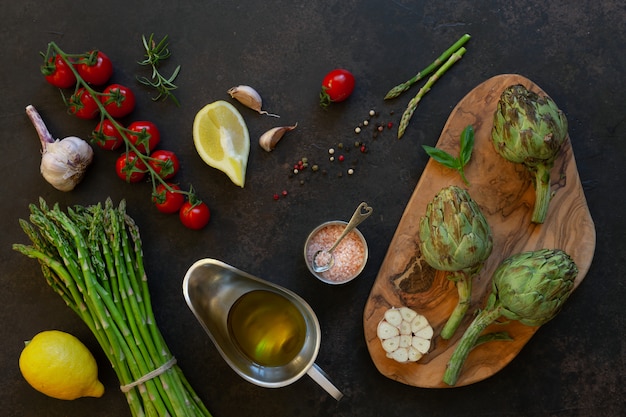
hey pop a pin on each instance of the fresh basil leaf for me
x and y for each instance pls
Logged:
(467, 145)
(441, 156)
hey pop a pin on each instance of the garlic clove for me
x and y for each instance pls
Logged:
(269, 139)
(386, 330)
(391, 344)
(425, 333)
(420, 344)
(405, 327)
(249, 97)
(399, 355)
(418, 323)
(406, 340)
(407, 314)
(393, 317)
(414, 354)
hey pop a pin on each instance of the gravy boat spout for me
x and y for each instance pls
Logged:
(212, 288)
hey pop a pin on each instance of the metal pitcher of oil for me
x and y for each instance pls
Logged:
(269, 335)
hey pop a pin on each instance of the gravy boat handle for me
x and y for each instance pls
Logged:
(318, 375)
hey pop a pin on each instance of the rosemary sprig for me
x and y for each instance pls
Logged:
(155, 53)
(466, 143)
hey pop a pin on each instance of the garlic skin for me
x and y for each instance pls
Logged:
(250, 98)
(269, 139)
(64, 161)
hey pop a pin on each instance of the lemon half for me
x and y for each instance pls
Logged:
(57, 364)
(222, 139)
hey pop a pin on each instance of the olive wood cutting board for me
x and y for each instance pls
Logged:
(505, 193)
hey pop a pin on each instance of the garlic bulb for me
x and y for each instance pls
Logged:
(249, 97)
(269, 139)
(63, 162)
(404, 334)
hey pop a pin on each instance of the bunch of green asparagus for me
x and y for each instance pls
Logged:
(92, 257)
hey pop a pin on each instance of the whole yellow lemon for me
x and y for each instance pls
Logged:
(60, 366)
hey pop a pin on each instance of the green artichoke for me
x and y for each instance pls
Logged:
(530, 130)
(455, 237)
(530, 287)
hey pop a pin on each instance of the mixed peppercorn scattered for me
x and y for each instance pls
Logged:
(338, 154)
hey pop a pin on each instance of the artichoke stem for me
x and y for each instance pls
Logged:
(542, 194)
(463, 282)
(467, 343)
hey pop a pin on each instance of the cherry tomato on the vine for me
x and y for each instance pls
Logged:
(167, 201)
(337, 86)
(106, 136)
(130, 168)
(58, 73)
(165, 163)
(81, 104)
(95, 69)
(194, 215)
(119, 101)
(147, 136)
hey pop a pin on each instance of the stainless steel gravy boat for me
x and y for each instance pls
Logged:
(211, 287)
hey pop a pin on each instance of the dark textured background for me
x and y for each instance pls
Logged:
(574, 366)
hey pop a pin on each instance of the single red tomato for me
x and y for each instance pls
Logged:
(337, 86)
(96, 68)
(147, 136)
(106, 136)
(167, 201)
(58, 73)
(118, 101)
(130, 168)
(81, 104)
(165, 163)
(194, 215)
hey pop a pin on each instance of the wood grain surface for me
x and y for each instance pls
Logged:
(505, 193)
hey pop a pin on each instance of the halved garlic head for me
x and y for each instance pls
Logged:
(404, 334)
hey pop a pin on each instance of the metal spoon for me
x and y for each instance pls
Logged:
(323, 259)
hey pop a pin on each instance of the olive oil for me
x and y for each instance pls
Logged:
(267, 327)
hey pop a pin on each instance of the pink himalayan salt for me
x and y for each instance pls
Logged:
(349, 254)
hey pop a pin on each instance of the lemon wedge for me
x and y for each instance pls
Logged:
(222, 140)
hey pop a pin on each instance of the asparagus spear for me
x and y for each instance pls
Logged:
(401, 88)
(408, 113)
